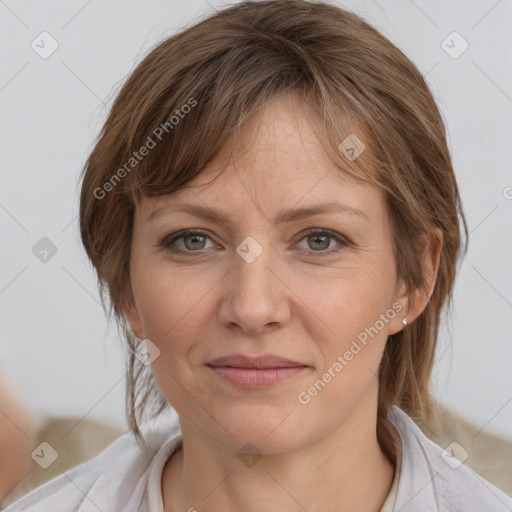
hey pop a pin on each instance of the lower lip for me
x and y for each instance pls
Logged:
(250, 378)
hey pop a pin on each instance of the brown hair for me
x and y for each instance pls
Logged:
(190, 95)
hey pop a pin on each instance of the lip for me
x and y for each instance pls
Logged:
(255, 372)
(265, 361)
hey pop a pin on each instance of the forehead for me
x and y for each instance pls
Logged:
(277, 159)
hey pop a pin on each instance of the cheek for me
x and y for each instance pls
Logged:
(173, 313)
(351, 299)
(167, 299)
(175, 308)
(355, 309)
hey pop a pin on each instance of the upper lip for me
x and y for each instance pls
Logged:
(265, 361)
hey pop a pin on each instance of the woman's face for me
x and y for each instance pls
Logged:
(270, 278)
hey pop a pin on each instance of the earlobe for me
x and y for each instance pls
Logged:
(400, 308)
(421, 297)
(133, 317)
(401, 318)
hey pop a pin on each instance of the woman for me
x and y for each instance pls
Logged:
(273, 215)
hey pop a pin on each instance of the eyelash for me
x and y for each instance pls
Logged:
(169, 240)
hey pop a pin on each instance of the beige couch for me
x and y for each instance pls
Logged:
(489, 455)
(77, 441)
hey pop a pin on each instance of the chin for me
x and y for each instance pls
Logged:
(270, 432)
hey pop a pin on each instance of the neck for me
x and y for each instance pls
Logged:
(345, 470)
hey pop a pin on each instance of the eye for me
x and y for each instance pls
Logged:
(191, 240)
(194, 241)
(319, 240)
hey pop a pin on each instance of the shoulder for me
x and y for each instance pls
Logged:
(114, 480)
(432, 479)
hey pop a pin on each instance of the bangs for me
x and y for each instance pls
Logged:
(171, 137)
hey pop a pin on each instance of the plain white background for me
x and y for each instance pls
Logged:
(56, 347)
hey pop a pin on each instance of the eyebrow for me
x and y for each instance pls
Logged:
(284, 216)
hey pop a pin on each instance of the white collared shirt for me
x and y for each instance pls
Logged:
(126, 478)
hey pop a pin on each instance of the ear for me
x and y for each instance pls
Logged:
(413, 307)
(132, 315)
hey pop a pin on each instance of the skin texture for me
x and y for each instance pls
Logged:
(294, 301)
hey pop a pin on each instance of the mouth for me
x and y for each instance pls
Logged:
(255, 372)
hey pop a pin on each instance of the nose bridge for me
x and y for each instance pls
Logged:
(253, 276)
(255, 296)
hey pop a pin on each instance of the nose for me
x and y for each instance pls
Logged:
(255, 295)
